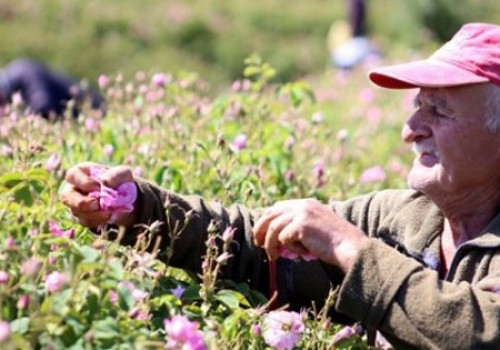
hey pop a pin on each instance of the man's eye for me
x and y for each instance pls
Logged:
(438, 113)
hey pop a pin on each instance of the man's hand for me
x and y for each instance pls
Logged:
(86, 208)
(307, 226)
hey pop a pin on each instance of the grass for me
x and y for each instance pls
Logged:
(87, 38)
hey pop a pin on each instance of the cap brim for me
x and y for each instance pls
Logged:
(425, 73)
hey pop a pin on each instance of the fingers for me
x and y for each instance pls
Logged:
(79, 183)
(116, 176)
(84, 209)
(272, 238)
(78, 176)
(77, 201)
(282, 229)
(92, 220)
(279, 208)
(295, 247)
(261, 225)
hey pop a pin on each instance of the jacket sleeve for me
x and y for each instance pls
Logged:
(298, 283)
(408, 302)
(413, 308)
(188, 219)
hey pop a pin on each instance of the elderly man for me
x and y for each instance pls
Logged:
(422, 265)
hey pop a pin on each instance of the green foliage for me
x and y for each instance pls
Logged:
(260, 72)
(197, 38)
(443, 17)
(87, 38)
(116, 297)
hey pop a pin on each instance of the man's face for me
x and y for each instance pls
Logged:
(455, 152)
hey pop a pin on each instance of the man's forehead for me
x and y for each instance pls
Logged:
(430, 95)
(455, 93)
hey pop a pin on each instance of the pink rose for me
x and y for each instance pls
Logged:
(183, 334)
(287, 254)
(282, 329)
(56, 281)
(117, 200)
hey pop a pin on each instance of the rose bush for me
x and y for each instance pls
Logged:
(64, 287)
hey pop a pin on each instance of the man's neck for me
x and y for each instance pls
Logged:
(466, 216)
(460, 231)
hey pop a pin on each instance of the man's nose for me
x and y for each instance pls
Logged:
(415, 129)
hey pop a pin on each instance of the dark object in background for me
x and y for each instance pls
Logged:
(44, 91)
(357, 17)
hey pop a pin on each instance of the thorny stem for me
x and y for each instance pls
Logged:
(212, 264)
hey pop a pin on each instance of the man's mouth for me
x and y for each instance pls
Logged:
(425, 155)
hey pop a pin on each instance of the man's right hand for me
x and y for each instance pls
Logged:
(85, 208)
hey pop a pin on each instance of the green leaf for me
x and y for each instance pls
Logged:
(126, 299)
(21, 325)
(60, 300)
(243, 288)
(191, 293)
(235, 323)
(105, 329)
(251, 71)
(79, 345)
(116, 269)
(76, 324)
(179, 274)
(93, 304)
(257, 298)
(231, 298)
(88, 253)
(84, 267)
(159, 174)
(167, 300)
(9, 180)
(22, 194)
(38, 174)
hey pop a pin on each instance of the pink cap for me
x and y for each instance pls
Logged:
(471, 56)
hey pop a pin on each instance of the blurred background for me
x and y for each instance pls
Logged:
(85, 38)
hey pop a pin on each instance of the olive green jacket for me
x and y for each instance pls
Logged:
(393, 285)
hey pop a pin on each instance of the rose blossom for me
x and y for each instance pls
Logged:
(4, 277)
(53, 162)
(117, 200)
(183, 334)
(31, 267)
(10, 243)
(4, 331)
(159, 79)
(239, 143)
(344, 333)
(108, 150)
(57, 231)
(23, 302)
(287, 254)
(373, 174)
(56, 281)
(282, 329)
(103, 81)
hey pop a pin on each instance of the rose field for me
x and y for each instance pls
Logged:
(233, 101)
(64, 287)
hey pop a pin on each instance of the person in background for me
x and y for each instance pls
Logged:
(357, 18)
(420, 265)
(44, 91)
(348, 43)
